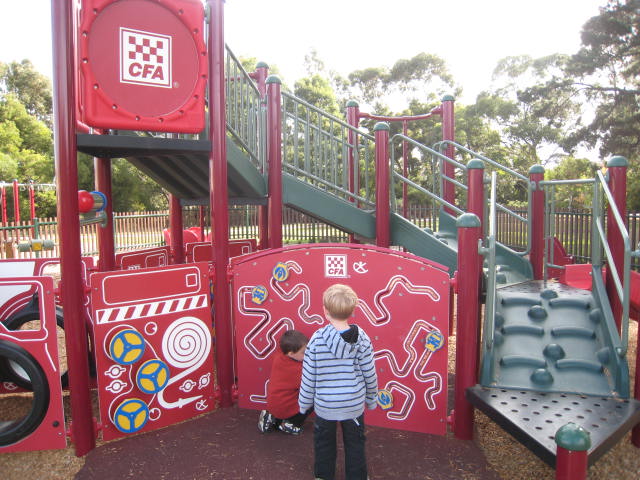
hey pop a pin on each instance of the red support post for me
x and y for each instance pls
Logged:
(383, 179)
(175, 229)
(219, 203)
(573, 443)
(617, 171)
(468, 327)
(71, 285)
(475, 183)
(274, 156)
(261, 74)
(4, 206)
(16, 202)
(448, 133)
(106, 244)
(353, 119)
(536, 256)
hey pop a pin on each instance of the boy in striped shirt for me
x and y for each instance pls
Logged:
(338, 380)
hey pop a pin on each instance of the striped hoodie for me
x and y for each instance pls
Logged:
(338, 374)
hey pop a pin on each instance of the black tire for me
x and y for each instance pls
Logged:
(13, 431)
(11, 370)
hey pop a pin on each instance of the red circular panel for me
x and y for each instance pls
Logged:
(143, 57)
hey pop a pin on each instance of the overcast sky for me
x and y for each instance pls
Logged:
(470, 35)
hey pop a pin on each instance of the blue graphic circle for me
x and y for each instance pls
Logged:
(152, 376)
(131, 415)
(126, 347)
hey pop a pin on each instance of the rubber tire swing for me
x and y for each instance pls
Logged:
(15, 323)
(14, 431)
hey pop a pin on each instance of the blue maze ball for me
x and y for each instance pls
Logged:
(152, 376)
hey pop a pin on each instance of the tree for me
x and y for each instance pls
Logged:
(31, 88)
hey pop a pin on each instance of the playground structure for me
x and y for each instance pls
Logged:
(144, 319)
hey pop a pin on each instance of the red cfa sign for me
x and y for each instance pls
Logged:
(143, 64)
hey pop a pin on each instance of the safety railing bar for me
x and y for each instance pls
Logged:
(243, 144)
(577, 181)
(328, 184)
(427, 149)
(243, 72)
(490, 251)
(616, 214)
(513, 214)
(428, 193)
(320, 112)
(483, 158)
(322, 131)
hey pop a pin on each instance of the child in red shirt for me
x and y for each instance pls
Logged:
(284, 384)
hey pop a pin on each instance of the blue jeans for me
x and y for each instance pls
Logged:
(324, 440)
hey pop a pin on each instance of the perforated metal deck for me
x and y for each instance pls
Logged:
(533, 418)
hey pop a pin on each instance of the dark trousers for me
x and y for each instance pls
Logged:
(324, 439)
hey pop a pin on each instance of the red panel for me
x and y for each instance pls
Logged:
(404, 308)
(154, 357)
(42, 344)
(144, 64)
(151, 257)
(201, 251)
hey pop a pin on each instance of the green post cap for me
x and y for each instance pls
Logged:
(536, 169)
(262, 65)
(448, 98)
(352, 103)
(468, 220)
(274, 79)
(618, 161)
(381, 126)
(573, 437)
(475, 164)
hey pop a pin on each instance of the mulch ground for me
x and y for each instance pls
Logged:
(226, 445)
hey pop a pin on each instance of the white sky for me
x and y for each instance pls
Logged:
(470, 35)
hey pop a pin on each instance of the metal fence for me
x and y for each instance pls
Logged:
(136, 230)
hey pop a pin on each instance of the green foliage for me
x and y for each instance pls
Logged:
(31, 88)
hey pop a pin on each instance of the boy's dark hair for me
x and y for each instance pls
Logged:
(292, 341)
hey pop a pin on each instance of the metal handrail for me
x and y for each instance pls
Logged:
(245, 110)
(318, 147)
(622, 287)
(489, 251)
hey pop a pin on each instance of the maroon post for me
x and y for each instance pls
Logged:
(260, 76)
(448, 133)
(65, 147)
(617, 171)
(468, 331)
(536, 256)
(106, 246)
(16, 202)
(175, 229)
(383, 211)
(475, 183)
(573, 443)
(274, 156)
(219, 202)
(353, 119)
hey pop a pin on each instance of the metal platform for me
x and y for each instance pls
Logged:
(533, 418)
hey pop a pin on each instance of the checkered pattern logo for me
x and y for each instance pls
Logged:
(335, 266)
(145, 58)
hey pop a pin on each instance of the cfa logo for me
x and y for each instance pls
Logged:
(335, 266)
(145, 58)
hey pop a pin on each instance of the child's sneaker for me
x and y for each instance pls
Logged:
(266, 421)
(290, 428)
